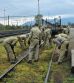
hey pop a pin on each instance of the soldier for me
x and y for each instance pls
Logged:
(42, 32)
(67, 30)
(47, 35)
(65, 36)
(61, 41)
(34, 38)
(42, 35)
(22, 41)
(9, 44)
(64, 48)
(57, 41)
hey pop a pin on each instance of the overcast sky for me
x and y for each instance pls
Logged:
(29, 7)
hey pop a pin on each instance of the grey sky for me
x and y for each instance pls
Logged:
(29, 7)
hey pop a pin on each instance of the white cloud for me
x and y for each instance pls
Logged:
(22, 20)
(17, 21)
(57, 16)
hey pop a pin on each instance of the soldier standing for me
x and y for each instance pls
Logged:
(47, 35)
(34, 38)
(42, 35)
(9, 44)
(42, 32)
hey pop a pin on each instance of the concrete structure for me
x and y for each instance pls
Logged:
(72, 61)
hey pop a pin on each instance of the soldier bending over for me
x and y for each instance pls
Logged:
(9, 44)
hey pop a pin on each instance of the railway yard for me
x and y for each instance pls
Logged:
(37, 41)
(45, 71)
(25, 72)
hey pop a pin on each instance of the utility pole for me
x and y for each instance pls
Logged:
(38, 13)
(60, 20)
(38, 17)
(4, 16)
(8, 20)
(38, 7)
(55, 22)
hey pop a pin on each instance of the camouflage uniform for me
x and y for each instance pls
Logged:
(34, 43)
(47, 33)
(22, 41)
(42, 35)
(42, 32)
(67, 30)
(9, 44)
(64, 40)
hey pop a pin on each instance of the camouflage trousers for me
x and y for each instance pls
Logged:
(10, 52)
(62, 51)
(22, 42)
(34, 47)
(47, 42)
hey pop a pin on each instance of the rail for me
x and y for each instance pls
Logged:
(20, 58)
(49, 67)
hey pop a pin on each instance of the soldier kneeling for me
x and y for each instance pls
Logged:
(9, 44)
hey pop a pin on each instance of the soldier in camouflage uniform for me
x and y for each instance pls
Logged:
(67, 30)
(9, 44)
(22, 40)
(42, 35)
(47, 33)
(64, 46)
(42, 32)
(62, 41)
(34, 38)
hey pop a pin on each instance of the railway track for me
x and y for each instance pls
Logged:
(23, 56)
(12, 33)
(59, 78)
(49, 67)
(20, 58)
